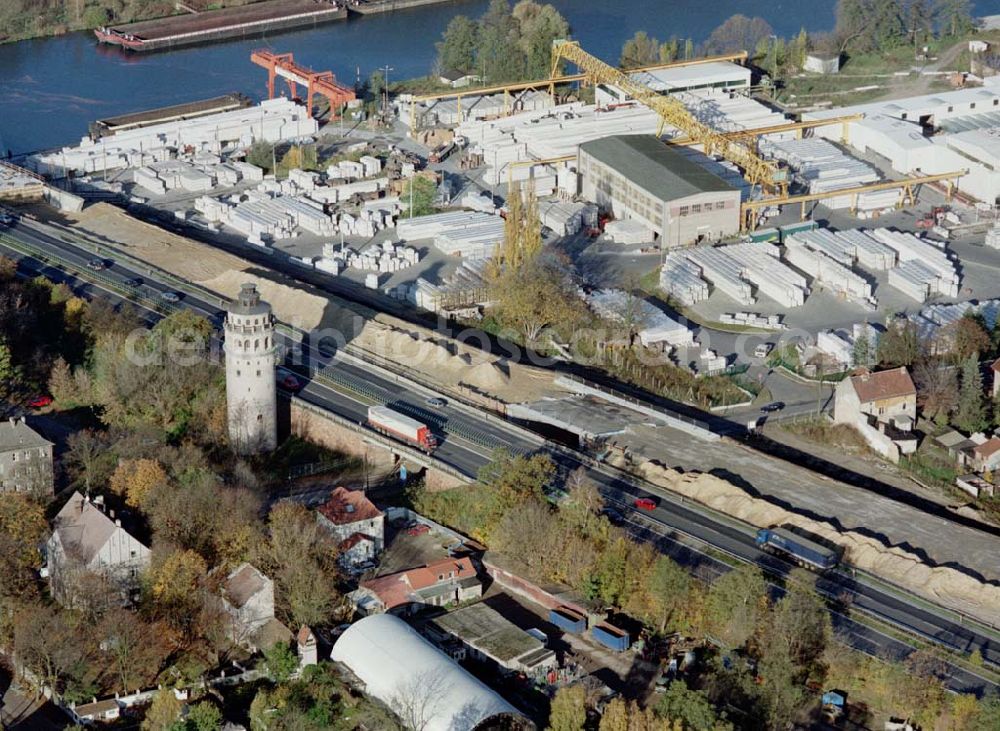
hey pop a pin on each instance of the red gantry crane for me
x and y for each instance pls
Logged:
(323, 83)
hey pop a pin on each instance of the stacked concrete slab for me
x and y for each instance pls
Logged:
(925, 266)
(566, 218)
(458, 233)
(272, 120)
(830, 272)
(681, 279)
(654, 326)
(823, 167)
(848, 247)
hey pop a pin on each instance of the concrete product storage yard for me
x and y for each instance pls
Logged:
(271, 121)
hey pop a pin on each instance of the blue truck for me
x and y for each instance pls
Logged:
(611, 637)
(800, 550)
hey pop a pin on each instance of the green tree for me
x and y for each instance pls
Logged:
(538, 26)
(422, 191)
(668, 586)
(497, 50)
(516, 479)
(640, 50)
(533, 296)
(376, 84)
(781, 692)
(736, 604)
(10, 374)
(956, 16)
(568, 711)
(204, 716)
(971, 415)
(800, 621)
(691, 707)
(281, 662)
(457, 48)
(261, 154)
(164, 712)
(861, 352)
(899, 345)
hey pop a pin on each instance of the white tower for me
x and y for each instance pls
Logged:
(251, 392)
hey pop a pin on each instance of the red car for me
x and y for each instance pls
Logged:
(645, 503)
(291, 383)
(418, 530)
(40, 402)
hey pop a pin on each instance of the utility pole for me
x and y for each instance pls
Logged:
(385, 93)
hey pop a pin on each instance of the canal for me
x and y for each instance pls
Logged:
(51, 88)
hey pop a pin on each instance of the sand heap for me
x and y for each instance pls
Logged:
(945, 586)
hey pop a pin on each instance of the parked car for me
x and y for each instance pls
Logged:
(40, 402)
(437, 402)
(97, 265)
(6, 219)
(763, 350)
(771, 407)
(645, 503)
(418, 530)
(613, 516)
(170, 296)
(291, 383)
(134, 282)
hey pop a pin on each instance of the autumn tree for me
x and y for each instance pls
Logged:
(135, 479)
(666, 593)
(899, 344)
(137, 648)
(736, 604)
(301, 557)
(534, 296)
(176, 582)
(568, 711)
(691, 708)
(971, 336)
(937, 389)
(516, 478)
(203, 716)
(738, 33)
(50, 644)
(640, 50)
(164, 712)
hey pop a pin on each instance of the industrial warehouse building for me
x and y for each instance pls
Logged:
(396, 665)
(715, 75)
(638, 178)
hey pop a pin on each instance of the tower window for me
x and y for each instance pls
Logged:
(237, 373)
(258, 374)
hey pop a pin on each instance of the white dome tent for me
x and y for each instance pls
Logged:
(419, 683)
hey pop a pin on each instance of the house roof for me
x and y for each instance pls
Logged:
(16, 434)
(305, 635)
(951, 439)
(354, 539)
(271, 633)
(96, 707)
(243, 584)
(988, 448)
(883, 384)
(83, 528)
(348, 506)
(653, 166)
(454, 74)
(396, 589)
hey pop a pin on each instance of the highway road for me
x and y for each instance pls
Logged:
(468, 437)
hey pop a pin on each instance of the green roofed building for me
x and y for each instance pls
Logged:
(637, 177)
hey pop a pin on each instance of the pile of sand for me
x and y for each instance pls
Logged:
(946, 586)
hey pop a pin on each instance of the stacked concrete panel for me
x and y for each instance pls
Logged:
(272, 121)
(823, 167)
(459, 233)
(681, 279)
(828, 271)
(924, 265)
(654, 326)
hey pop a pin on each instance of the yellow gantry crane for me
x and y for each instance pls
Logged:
(672, 112)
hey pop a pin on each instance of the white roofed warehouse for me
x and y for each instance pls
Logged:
(638, 178)
(425, 688)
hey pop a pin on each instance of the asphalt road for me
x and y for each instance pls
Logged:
(468, 437)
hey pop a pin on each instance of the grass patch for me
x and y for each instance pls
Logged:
(465, 508)
(839, 436)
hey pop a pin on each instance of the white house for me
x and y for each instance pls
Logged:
(458, 79)
(882, 406)
(25, 459)
(247, 598)
(87, 543)
(355, 523)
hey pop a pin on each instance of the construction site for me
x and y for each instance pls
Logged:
(677, 171)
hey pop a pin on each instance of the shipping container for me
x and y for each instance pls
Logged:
(764, 234)
(794, 228)
(611, 637)
(568, 620)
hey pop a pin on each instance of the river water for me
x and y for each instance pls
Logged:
(50, 89)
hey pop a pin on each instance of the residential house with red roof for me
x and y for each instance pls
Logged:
(356, 524)
(444, 582)
(882, 406)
